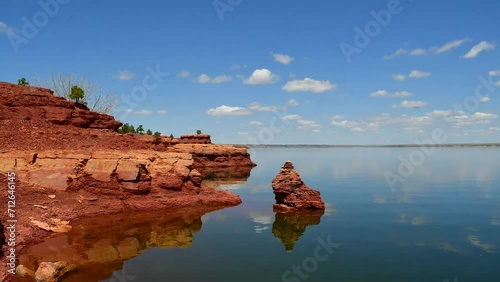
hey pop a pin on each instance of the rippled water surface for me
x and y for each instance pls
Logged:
(439, 222)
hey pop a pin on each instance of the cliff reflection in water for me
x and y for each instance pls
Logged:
(289, 227)
(224, 177)
(100, 246)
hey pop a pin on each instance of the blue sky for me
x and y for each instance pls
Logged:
(282, 72)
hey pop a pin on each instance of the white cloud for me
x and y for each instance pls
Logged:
(398, 52)
(419, 74)
(449, 46)
(411, 104)
(384, 93)
(485, 99)
(140, 112)
(309, 85)
(439, 113)
(494, 73)
(292, 117)
(284, 59)
(346, 124)
(216, 80)
(357, 129)
(228, 111)
(307, 124)
(336, 117)
(4, 28)
(413, 74)
(476, 49)
(418, 52)
(316, 130)
(498, 83)
(461, 120)
(237, 67)
(292, 102)
(184, 74)
(400, 77)
(161, 112)
(255, 106)
(124, 75)
(261, 76)
(256, 123)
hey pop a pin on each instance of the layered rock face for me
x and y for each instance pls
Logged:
(292, 193)
(205, 155)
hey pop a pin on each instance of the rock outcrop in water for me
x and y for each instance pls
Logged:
(292, 193)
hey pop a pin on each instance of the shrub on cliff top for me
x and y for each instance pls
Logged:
(157, 136)
(198, 131)
(78, 95)
(149, 132)
(97, 99)
(126, 128)
(23, 82)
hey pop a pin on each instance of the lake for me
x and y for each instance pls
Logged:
(438, 221)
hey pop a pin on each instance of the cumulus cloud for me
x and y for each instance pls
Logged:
(460, 120)
(184, 74)
(309, 85)
(384, 93)
(413, 74)
(477, 49)
(436, 50)
(399, 77)
(261, 76)
(256, 123)
(228, 111)
(346, 124)
(161, 112)
(292, 102)
(419, 74)
(449, 46)
(139, 112)
(4, 28)
(336, 117)
(124, 75)
(411, 104)
(283, 59)
(494, 73)
(255, 106)
(216, 80)
(357, 129)
(418, 52)
(307, 124)
(399, 52)
(485, 99)
(292, 117)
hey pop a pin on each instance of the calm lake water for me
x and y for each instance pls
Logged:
(441, 224)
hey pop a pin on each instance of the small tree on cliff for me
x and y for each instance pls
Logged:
(149, 132)
(140, 129)
(126, 128)
(171, 136)
(157, 136)
(77, 94)
(198, 131)
(23, 82)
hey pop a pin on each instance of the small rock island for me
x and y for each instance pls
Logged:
(292, 193)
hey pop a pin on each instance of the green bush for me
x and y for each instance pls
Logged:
(77, 94)
(23, 82)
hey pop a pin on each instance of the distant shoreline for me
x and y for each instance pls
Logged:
(367, 146)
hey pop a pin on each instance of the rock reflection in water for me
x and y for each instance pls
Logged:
(218, 177)
(289, 227)
(100, 246)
